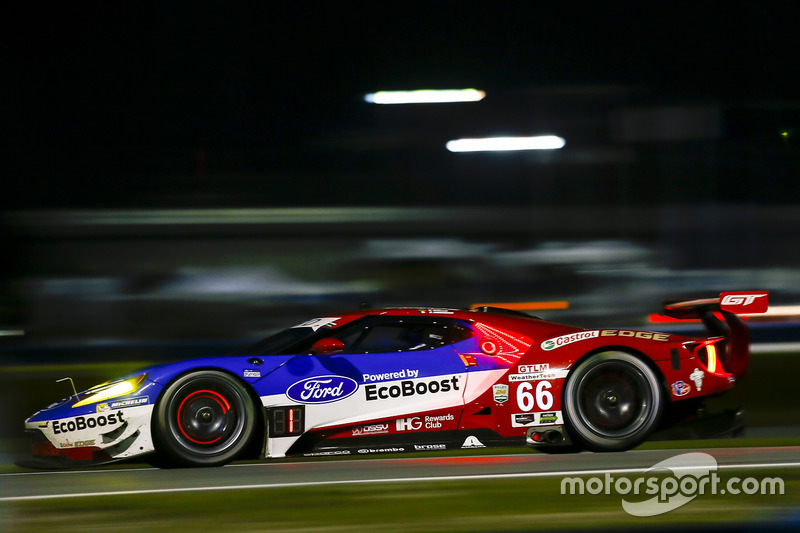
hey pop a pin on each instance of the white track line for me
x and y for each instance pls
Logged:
(67, 472)
(562, 473)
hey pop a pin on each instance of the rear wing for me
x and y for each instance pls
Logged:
(720, 317)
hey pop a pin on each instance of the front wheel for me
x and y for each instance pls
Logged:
(612, 401)
(204, 418)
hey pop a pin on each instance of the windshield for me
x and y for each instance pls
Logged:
(297, 339)
(278, 343)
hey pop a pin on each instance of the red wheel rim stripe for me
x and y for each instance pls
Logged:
(214, 395)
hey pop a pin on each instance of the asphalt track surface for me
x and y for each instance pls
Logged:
(266, 475)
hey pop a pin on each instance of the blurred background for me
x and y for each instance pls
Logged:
(181, 178)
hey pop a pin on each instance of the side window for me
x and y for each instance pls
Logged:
(388, 338)
(457, 333)
(403, 336)
(350, 337)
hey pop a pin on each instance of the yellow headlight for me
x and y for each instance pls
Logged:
(112, 390)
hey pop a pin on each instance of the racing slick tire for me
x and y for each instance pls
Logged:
(612, 401)
(204, 418)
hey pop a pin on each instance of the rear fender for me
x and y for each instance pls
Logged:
(720, 316)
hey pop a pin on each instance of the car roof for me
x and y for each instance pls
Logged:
(504, 319)
(492, 315)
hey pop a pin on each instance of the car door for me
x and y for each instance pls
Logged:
(389, 367)
(405, 365)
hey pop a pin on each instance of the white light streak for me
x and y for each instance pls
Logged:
(506, 144)
(425, 96)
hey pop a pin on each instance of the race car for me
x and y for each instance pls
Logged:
(403, 380)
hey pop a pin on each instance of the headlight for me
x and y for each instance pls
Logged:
(111, 390)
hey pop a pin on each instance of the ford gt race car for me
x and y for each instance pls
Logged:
(402, 380)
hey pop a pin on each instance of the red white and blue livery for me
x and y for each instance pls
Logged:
(405, 380)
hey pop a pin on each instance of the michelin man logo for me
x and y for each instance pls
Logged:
(697, 376)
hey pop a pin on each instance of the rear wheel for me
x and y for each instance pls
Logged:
(612, 401)
(204, 418)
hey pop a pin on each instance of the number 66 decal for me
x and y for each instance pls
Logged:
(527, 400)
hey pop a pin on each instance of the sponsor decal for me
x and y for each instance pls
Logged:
(697, 376)
(119, 404)
(438, 418)
(680, 388)
(415, 423)
(78, 444)
(563, 340)
(322, 454)
(79, 423)
(429, 447)
(411, 388)
(529, 369)
(547, 418)
(436, 311)
(381, 450)
(523, 419)
(322, 389)
(436, 422)
(744, 302)
(316, 323)
(500, 393)
(535, 376)
(251, 373)
(387, 376)
(373, 429)
(661, 337)
(408, 424)
(473, 442)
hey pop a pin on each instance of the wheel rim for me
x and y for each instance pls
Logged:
(207, 417)
(614, 399)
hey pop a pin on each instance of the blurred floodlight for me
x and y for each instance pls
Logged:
(425, 96)
(506, 144)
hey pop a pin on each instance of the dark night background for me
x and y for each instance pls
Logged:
(217, 104)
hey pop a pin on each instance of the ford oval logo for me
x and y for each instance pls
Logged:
(322, 389)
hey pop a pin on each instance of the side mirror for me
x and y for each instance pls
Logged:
(327, 346)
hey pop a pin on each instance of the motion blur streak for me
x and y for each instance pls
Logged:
(425, 96)
(506, 144)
